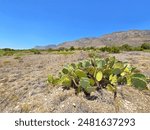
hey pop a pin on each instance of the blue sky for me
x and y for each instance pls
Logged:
(27, 23)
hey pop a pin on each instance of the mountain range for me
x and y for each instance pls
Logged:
(131, 37)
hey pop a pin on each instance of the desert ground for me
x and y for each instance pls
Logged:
(24, 87)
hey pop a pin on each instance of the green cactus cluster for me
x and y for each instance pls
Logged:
(97, 74)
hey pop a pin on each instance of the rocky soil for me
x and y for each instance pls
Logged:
(24, 87)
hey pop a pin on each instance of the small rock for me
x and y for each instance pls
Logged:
(63, 106)
(74, 104)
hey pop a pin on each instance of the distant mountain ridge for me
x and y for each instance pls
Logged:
(131, 37)
(45, 47)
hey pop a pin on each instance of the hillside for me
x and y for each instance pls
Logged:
(132, 37)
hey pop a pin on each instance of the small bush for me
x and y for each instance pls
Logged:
(137, 49)
(92, 48)
(105, 49)
(35, 51)
(7, 49)
(64, 52)
(145, 46)
(79, 48)
(126, 47)
(72, 48)
(113, 49)
(8, 53)
(50, 50)
(92, 54)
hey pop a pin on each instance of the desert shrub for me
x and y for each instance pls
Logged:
(79, 48)
(93, 54)
(50, 49)
(126, 47)
(137, 49)
(72, 48)
(105, 49)
(66, 52)
(145, 46)
(113, 49)
(8, 49)
(96, 74)
(1, 52)
(8, 53)
(83, 48)
(92, 48)
(87, 48)
(35, 51)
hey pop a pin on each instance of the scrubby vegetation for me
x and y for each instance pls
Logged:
(118, 49)
(126, 47)
(113, 49)
(72, 48)
(145, 46)
(7, 52)
(96, 74)
(65, 51)
(35, 51)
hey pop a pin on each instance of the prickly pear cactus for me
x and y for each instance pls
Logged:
(95, 74)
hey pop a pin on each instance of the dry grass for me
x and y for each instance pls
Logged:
(6, 62)
(24, 88)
